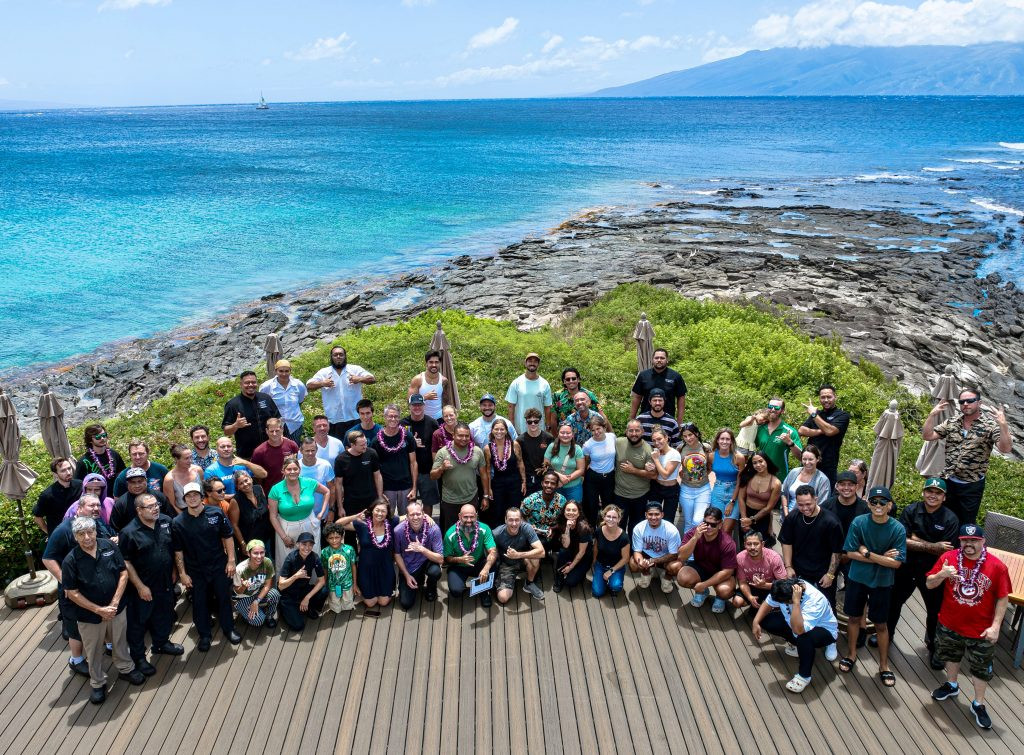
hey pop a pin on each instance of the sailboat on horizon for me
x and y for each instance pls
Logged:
(262, 105)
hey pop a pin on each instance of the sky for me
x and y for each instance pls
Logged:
(166, 52)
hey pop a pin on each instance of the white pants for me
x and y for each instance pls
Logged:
(310, 524)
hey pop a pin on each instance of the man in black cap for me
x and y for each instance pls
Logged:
(302, 584)
(125, 506)
(931, 532)
(422, 426)
(204, 551)
(845, 505)
(148, 552)
(656, 417)
(659, 376)
(246, 415)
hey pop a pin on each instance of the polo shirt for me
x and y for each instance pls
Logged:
(293, 562)
(939, 526)
(200, 538)
(54, 502)
(257, 410)
(768, 443)
(150, 552)
(62, 541)
(124, 510)
(455, 537)
(95, 578)
(668, 380)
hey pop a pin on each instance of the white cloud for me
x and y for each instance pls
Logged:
(504, 73)
(266, 61)
(414, 3)
(493, 35)
(4, 82)
(323, 49)
(129, 4)
(552, 43)
(128, 55)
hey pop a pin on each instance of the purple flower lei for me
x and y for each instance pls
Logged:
(501, 464)
(451, 450)
(387, 533)
(476, 539)
(409, 539)
(108, 473)
(385, 446)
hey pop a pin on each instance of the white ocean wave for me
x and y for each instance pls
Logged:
(884, 177)
(992, 206)
(940, 169)
(1012, 145)
(703, 193)
(976, 160)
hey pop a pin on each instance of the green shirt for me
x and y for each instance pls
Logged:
(631, 485)
(484, 543)
(338, 567)
(255, 577)
(775, 449)
(878, 538)
(459, 481)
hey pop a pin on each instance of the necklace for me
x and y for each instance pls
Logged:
(108, 473)
(806, 520)
(410, 535)
(501, 464)
(969, 578)
(373, 538)
(385, 446)
(451, 450)
(476, 538)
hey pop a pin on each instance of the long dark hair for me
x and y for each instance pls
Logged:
(748, 472)
(582, 526)
(556, 444)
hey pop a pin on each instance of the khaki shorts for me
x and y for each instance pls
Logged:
(339, 603)
(951, 647)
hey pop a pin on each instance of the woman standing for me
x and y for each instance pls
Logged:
(611, 553)
(571, 538)
(665, 487)
(565, 458)
(504, 457)
(446, 432)
(726, 462)
(99, 458)
(599, 477)
(758, 491)
(806, 474)
(860, 468)
(375, 532)
(179, 475)
(253, 511)
(291, 508)
(694, 485)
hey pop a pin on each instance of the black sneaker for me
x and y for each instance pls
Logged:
(485, 600)
(132, 677)
(203, 646)
(82, 667)
(981, 715)
(430, 595)
(99, 694)
(271, 622)
(945, 692)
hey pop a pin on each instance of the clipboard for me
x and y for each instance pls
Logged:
(476, 586)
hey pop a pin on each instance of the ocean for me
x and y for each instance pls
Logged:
(119, 223)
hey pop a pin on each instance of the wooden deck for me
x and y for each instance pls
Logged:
(640, 673)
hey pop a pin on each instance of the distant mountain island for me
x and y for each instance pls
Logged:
(986, 69)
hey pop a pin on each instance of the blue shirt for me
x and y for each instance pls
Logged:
(224, 474)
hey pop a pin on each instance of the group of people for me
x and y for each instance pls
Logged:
(266, 524)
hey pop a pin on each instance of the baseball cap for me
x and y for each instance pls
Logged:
(533, 354)
(134, 472)
(880, 492)
(192, 487)
(935, 482)
(971, 530)
(655, 393)
(487, 397)
(305, 537)
(653, 505)
(846, 476)
(416, 398)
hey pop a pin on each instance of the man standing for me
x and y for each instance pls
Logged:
(563, 403)
(659, 376)
(94, 578)
(580, 419)
(341, 385)
(877, 546)
(827, 428)
(227, 464)
(533, 443)
(519, 552)
(148, 552)
(204, 552)
(54, 502)
(469, 552)
(708, 557)
(357, 478)
(367, 424)
(328, 447)
(202, 454)
(398, 464)
(431, 386)
(969, 441)
(99, 458)
(931, 532)
(656, 417)
(126, 506)
(418, 555)
(457, 465)
(271, 453)
(138, 450)
(812, 543)
(634, 470)
(529, 391)
(480, 428)
(315, 468)
(288, 394)
(975, 585)
(777, 439)
(655, 547)
(422, 428)
(845, 505)
(246, 415)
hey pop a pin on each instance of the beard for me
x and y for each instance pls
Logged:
(339, 364)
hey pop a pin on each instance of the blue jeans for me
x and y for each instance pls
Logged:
(721, 494)
(692, 503)
(599, 587)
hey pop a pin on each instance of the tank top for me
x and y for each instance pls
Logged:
(724, 468)
(509, 476)
(179, 492)
(693, 472)
(760, 500)
(432, 406)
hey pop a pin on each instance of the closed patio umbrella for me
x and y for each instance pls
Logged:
(51, 425)
(931, 462)
(272, 350)
(643, 334)
(889, 434)
(440, 344)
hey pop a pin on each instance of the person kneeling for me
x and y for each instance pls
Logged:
(302, 584)
(655, 546)
(257, 598)
(804, 619)
(757, 568)
(709, 561)
(519, 552)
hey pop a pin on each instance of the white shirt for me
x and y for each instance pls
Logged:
(322, 472)
(331, 451)
(528, 394)
(288, 399)
(481, 430)
(340, 401)
(814, 607)
(602, 455)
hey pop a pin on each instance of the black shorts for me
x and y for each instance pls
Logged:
(705, 575)
(875, 598)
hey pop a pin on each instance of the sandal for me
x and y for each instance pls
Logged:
(846, 665)
(797, 684)
(888, 678)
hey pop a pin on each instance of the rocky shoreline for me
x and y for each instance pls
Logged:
(899, 289)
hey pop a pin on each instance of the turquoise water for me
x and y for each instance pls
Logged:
(123, 222)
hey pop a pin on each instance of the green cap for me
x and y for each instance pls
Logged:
(935, 482)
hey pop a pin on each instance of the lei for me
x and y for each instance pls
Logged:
(501, 464)
(108, 473)
(373, 538)
(385, 446)
(409, 539)
(969, 577)
(451, 450)
(476, 539)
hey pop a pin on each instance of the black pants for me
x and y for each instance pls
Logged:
(219, 587)
(156, 616)
(908, 578)
(635, 510)
(964, 499)
(578, 572)
(598, 492)
(806, 643)
(507, 494)
(450, 513)
(288, 609)
(668, 497)
(338, 429)
(459, 574)
(427, 574)
(829, 592)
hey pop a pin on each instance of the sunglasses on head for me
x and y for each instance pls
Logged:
(961, 400)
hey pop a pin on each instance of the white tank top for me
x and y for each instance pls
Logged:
(432, 407)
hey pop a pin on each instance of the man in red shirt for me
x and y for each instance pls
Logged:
(271, 453)
(973, 604)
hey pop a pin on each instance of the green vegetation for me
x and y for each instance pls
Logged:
(733, 358)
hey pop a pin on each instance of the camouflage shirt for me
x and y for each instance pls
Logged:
(968, 451)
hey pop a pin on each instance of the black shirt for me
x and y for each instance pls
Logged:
(609, 552)
(257, 410)
(829, 444)
(294, 561)
(813, 543)
(150, 552)
(95, 578)
(201, 538)
(845, 514)
(669, 381)
(394, 465)
(124, 510)
(533, 450)
(86, 466)
(55, 501)
(941, 526)
(356, 474)
(62, 541)
(424, 430)
(254, 520)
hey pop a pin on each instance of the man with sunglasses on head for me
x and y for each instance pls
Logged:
(777, 439)
(969, 441)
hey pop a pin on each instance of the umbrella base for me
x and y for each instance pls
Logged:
(25, 592)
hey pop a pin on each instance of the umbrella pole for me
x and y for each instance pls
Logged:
(29, 558)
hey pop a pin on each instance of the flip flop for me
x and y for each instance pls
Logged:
(888, 678)
(846, 664)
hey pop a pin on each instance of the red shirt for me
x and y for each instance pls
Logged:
(967, 611)
(271, 459)
(713, 555)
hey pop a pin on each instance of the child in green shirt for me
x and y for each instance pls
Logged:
(339, 562)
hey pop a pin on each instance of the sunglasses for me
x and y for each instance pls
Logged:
(711, 525)
(962, 401)
(878, 502)
(533, 421)
(773, 408)
(100, 436)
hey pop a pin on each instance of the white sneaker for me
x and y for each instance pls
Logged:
(643, 580)
(792, 651)
(831, 652)
(667, 585)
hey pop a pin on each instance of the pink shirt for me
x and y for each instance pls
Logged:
(769, 566)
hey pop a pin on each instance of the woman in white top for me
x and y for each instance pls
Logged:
(665, 487)
(599, 479)
(806, 474)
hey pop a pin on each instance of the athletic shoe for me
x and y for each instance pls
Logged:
(698, 599)
(430, 595)
(792, 651)
(981, 715)
(271, 622)
(718, 606)
(485, 599)
(132, 677)
(946, 691)
(534, 590)
(831, 652)
(643, 580)
(667, 585)
(82, 667)
(99, 694)
(145, 668)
